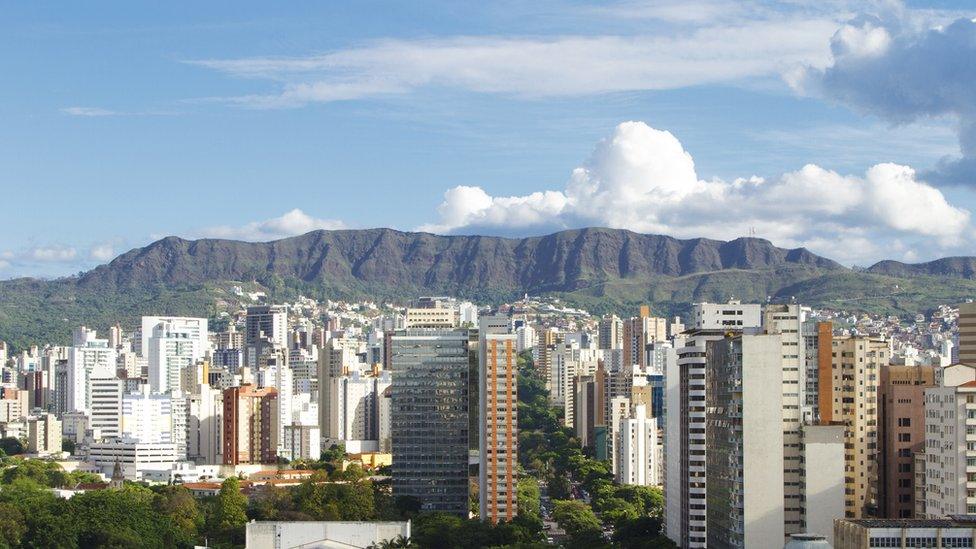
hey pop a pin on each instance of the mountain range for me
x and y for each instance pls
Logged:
(601, 269)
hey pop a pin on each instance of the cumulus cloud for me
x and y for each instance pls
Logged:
(642, 179)
(894, 70)
(102, 252)
(292, 223)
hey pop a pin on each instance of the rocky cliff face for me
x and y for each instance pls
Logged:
(562, 261)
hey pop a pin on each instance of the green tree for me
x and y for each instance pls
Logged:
(185, 517)
(12, 525)
(529, 497)
(11, 446)
(578, 520)
(230, 509)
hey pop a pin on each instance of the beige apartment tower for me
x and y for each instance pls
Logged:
(498, 402)
(849, 395)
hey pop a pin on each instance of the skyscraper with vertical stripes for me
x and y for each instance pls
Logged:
(498, 404)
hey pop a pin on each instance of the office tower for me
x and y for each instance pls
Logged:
(498, 414)
(43, 434)
(88, 358)
(950, 453)
(744, 399)
(967, 333)
(639, 332)
(266, 322)
(684, 410)
(250, 426)
(105, 414)
(430, 424)
(610, 335)
(170, 348)
(901, 434)
(637, 453)
(431, 318)
(195, 328)
(204, 418)
(848, 394)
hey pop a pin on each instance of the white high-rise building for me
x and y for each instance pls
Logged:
(204, 424)
(525, 338)
(950, 445)
(171, 349)
(685, 493)
(637, 452)
(196, 328)
(353, 418)
(147, 416)
(105, 395)
(88, 358)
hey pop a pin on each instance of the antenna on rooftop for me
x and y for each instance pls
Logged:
(752, 232)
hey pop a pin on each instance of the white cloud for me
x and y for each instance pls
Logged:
(102, 252)
(540, 67)
(905, 71)
(642, 179)
(89, 111)
(4, 264)
(53, 254)
(292, 223)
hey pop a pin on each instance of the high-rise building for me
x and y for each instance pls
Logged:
(268, 322)
(848, 394)
(590, 407)
(431, 318)
(105, 417)
(684, 410)
(785, 321)
(195, 328)
(353, 415)
(744, 433)
(204, 419)
(88, 358)
(610, 335)
(967, 333)
(250, 426)
(498, 414)
(13, 404)
(147, 416)
(430, 423)
(637, 453)
(950, 444)
(171, 348)
(901, 434)
(43, 434)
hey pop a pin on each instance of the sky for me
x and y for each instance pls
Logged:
(848, 128)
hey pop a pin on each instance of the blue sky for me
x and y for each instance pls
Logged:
(122, 123)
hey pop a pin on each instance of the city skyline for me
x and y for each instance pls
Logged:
(489, 120)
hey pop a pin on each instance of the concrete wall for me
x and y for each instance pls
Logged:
(322, 535)
(823, 456)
